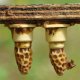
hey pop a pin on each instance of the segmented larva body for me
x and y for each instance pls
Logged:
(22, 36)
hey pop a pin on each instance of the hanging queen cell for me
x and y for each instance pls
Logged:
(22, 36)
(56, 37)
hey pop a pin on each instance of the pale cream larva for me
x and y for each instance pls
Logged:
(22, 36)
(56, 36)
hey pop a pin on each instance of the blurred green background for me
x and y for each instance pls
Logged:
(41, 66)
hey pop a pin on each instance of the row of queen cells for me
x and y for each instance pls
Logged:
(22, 34)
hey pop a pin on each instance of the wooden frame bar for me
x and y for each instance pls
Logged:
(69, 13)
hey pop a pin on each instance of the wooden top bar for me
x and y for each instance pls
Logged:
(55, 12)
